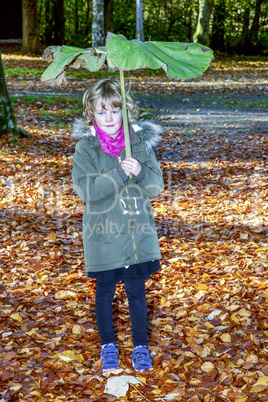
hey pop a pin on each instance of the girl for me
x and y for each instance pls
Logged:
(119, 236)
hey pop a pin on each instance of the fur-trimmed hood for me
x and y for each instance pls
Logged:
(148, 132)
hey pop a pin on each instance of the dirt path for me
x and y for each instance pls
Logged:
(230, 117)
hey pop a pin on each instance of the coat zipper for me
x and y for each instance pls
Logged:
(132, 232)
(131, 220)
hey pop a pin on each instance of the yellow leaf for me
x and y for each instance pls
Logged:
(226, 337)
(79, 357)
(69, 355)
(207, 367)
(80, 313)
(16, 387)
(202, 286)
(260, 385)
(5, 200)
(252, 359)
(61, 294)
(163, 299)
(205, 352)
(71, 276)
(142, 379)
(233, 307)
(168, 328)
(162, 208)
(16, 317)
(181, 314)
(77, 330)
(244, 313)
(234, 318)
(35, 393)
(207, 398)
(52, 236)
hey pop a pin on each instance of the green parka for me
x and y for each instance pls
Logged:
(118, 223)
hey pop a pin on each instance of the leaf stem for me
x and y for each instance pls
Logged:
(140, 392)
(125, 118)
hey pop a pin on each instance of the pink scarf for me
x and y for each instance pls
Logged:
(109, 145)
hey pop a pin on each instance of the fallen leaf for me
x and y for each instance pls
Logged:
(69, 355)
(207, 367)
(119, 385)
(77, 330)
(260, 385)
(16, 317)
(226, 337)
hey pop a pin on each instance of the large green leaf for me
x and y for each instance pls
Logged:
(64, 56)
(181, 60)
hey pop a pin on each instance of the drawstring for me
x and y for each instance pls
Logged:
(137, 211)
(125, 207)
(125, 210)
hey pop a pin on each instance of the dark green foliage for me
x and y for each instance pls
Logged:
(236, 26)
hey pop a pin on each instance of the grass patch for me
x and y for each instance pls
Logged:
(25, 72)
(247, 104)
(47, 99)
(49, 109)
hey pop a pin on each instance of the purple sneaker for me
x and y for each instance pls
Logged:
(109, 355)
(141, 358)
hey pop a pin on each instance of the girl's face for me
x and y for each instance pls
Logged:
(109, 119)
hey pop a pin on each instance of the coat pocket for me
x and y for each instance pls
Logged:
(93, 228)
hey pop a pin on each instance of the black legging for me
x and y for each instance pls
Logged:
(135, 290)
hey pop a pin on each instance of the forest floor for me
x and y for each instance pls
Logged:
(208, 331)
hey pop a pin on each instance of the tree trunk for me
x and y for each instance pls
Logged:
(108, 16)
(201, 34)
(87, 27)
(98, 38)
(7, 117)
(59, 29)
(48, 35)
(218, 27)
(30, 26)
(139, 21)
(244, 43)
(254, 30)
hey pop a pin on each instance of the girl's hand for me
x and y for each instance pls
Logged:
(131, 165)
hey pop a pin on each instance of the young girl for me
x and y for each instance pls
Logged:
(119, 236)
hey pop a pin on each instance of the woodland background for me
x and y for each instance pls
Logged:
(232, 26)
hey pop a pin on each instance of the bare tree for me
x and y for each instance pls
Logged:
(98, 37)
(58, 16)
(30, 26)
(256, 22)
(139, 21)
(218, 27)
(108, 16)
(201, 34)
(7, 117)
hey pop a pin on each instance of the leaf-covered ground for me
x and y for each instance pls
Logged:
(207, 306)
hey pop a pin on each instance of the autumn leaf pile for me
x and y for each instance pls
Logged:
(208, 306)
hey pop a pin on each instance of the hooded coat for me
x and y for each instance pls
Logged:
(118, 222)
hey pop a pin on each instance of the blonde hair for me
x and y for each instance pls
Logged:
(109, 92)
